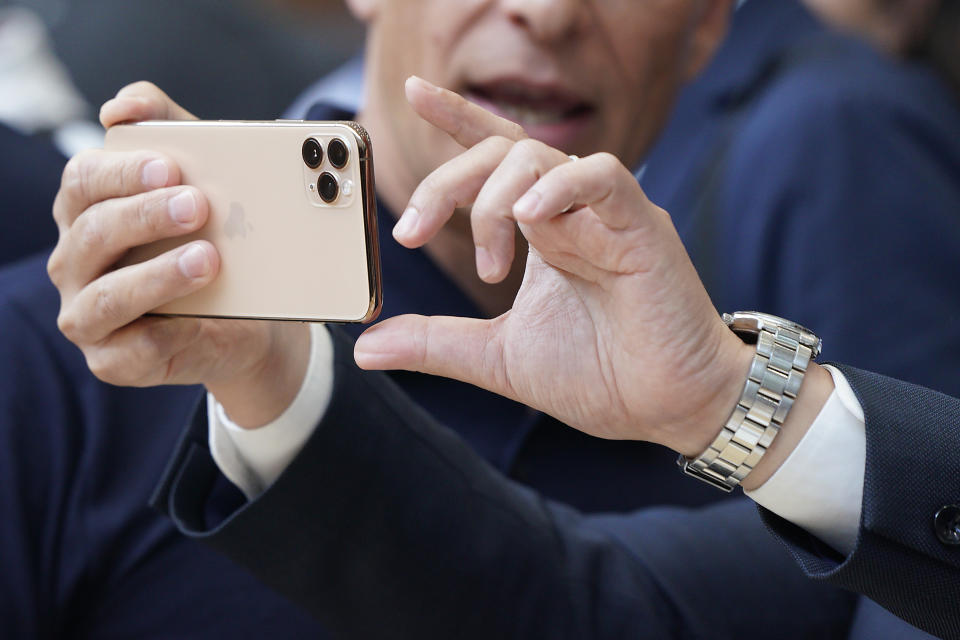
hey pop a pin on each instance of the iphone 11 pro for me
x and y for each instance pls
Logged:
(292, 214)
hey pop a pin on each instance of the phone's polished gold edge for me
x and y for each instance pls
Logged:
(372, 237)
(227, 123)
(264, 318)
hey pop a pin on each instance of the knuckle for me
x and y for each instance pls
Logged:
(499, 142)
(91, 231)
(423, 340)
(434, 192)
(68, 326)
(607, 161)
(145, 210)
(527, 147)
(103, 366)
(56, 266)
(72, 180)
(528, 153)
(106, 305)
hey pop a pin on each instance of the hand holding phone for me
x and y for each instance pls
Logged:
(112, 202)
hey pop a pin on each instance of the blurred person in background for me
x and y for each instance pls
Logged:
(246, 61)
(59, 57)
(39, 106)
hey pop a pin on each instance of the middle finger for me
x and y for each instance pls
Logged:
(454, 184)
(120, 297)
(492, 217)
(108, 229)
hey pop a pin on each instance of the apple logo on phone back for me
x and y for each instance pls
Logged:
(236, 224)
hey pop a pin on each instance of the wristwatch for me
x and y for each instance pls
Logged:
(784, 350)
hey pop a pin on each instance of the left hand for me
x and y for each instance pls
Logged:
(611, 332)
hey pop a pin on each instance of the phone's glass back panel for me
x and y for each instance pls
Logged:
(286, 252)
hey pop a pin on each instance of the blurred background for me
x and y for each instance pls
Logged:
(61, 59)
(242, 59)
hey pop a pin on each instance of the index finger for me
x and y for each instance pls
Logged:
(464, 121)
(95, 175)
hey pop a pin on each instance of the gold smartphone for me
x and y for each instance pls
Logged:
(292, 213)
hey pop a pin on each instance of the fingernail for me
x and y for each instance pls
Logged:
(374, 349)
(485, 264)
(371, 341)
(193, 262)
(183, 207)
(155, 174)
(525, 206)
(407, 224)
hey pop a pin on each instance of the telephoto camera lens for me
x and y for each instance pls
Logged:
(337, 152)
(312, 153)
(327, 187)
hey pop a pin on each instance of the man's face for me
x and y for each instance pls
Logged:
(580, 75)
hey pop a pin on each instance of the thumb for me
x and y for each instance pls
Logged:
(465, 349)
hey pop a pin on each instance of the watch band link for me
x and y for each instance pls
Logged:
(772, 386)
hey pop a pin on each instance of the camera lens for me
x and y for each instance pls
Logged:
(312, 153)
(337, 152)
(327, 187)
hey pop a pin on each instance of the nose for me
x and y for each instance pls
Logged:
(547, 20)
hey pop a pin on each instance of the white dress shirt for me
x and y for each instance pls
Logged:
(818, 487)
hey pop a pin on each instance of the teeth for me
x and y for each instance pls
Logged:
(531, 116)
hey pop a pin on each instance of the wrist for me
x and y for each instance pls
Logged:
(728, 371)
(769, 399)
(259, 395)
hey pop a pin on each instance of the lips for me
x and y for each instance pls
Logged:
(547, 112)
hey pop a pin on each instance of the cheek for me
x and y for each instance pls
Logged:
(642, 86)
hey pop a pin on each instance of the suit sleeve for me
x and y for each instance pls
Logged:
(912, 472)
(37, 472)
(388, 525)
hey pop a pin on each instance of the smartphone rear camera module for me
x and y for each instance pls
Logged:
(338, 154)
(327, 187)
(312, 153)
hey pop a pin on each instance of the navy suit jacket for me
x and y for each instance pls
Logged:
(905, 557)
(30, 169)
(812, 150)
(81, 553)
(813, 178)
(387, 524)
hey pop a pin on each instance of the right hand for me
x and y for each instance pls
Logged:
(611, 331)
(110, 202)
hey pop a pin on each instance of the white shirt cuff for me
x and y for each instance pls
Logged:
(820, 485)
(253, 459)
